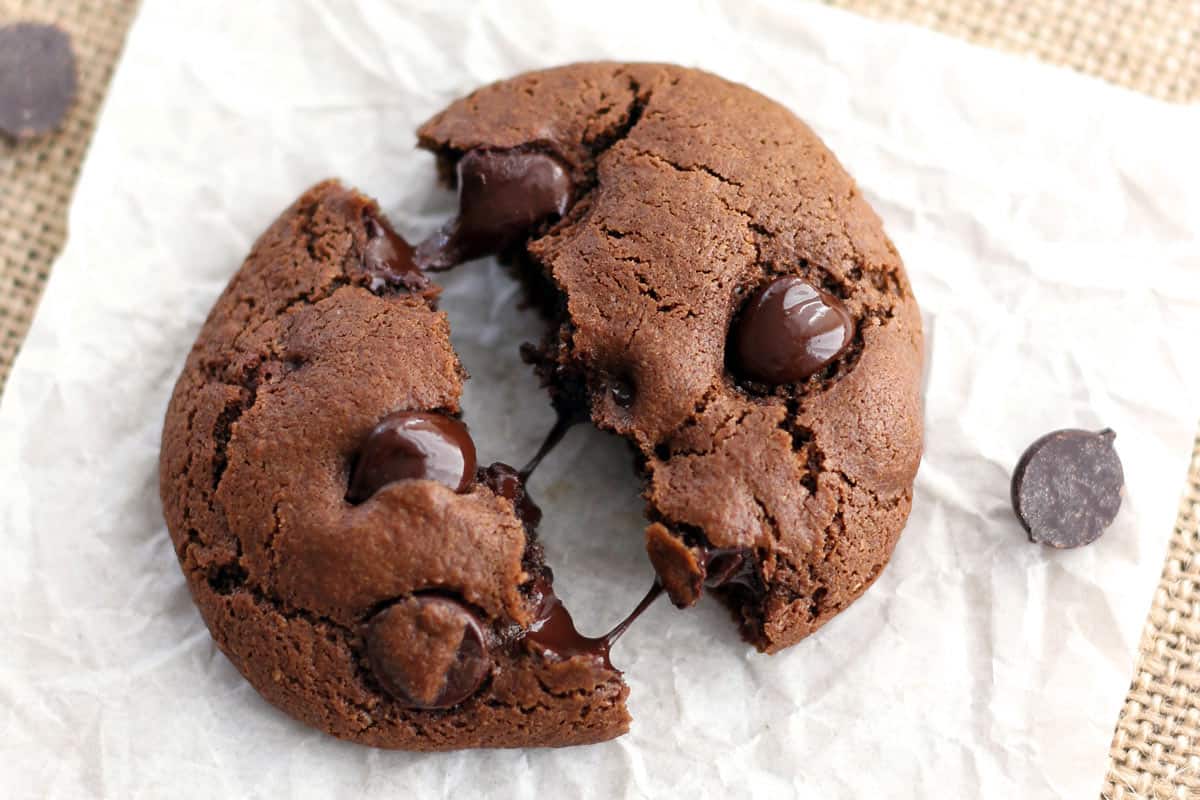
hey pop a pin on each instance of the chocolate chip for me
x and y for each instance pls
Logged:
(726, 566)
(508, 483)
(502, 195)
(621, 392)
(1066, 489)
(388, 258)
(788, 330)
(37, 78)
(414, 445)
(428, 651)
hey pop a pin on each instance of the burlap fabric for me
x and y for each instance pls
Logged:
(1149, 45)
(37, 176)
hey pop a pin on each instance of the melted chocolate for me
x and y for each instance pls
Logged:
(566, 420)
(651, 595)
(387, 258)
(413, 445)
(502, 196)
(507, 482)
(788, 330)
(553, 631)
(428, 651)
(726, 566)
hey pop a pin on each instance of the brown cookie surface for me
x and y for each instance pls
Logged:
(395, 620)
(692, 196)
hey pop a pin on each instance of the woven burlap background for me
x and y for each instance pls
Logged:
(37, 177)
(1149, 45)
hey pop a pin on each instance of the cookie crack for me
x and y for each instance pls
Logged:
(819, 589)
(332, 630)
(633, 115)
(223, 431)
(647, 290)
(804, 441)
(526, 710)
(883, 280)
(768, 519)
(250, 379)
(311, 298)
(269, 545)
(753, 227)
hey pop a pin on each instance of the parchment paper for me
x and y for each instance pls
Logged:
(1049, 224)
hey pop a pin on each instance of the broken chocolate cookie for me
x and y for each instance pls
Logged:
(719, 294)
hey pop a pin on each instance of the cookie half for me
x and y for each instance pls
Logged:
(722, 296)
(392, 612)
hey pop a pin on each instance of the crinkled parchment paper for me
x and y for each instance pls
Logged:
(1049, 224)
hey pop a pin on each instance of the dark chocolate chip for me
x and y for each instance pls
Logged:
(621, 392)
(388, 258)
(414, 445)
(726, 566)
(502, 196)
(788, 330)
(1066, 489)
(428, 651)
(508, 483)
(37, 78)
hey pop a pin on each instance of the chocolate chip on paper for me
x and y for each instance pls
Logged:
(1066, 489)
(37, 78)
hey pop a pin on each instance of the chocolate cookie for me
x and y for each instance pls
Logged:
(719, 293)
(722, 296)
(323, 498)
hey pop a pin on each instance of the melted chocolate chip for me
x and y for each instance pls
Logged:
(729, 566)
(388, 258)
(37, 78)
(428, 651)
(788, 330)
(414, 445)
(507, 482)
(1066, 489)
(553, 631)
(502, 196)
